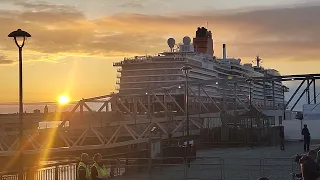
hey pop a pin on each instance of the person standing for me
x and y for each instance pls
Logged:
(306, 138)
(83, 170)
(281, 135)
(98, 170)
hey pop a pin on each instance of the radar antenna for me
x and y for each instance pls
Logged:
(171, 42)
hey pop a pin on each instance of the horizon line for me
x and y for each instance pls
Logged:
(35, 103)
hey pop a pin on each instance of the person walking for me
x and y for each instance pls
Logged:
(98, 170)
(281, 135)
(306, 138)
(83, 170)
(309, 167)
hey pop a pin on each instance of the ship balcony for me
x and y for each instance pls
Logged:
(119, 70)
(118, 75)
(118, 82)
(117, 88)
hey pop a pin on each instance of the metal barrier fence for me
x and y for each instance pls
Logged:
(176, 168)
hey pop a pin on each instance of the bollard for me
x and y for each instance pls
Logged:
(126, 167)
(56, 173)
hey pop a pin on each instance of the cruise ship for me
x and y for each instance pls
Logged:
(164, 70)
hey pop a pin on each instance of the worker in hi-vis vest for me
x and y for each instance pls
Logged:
(98, 169)
(83, 171)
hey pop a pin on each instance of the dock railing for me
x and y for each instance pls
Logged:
(173, 168)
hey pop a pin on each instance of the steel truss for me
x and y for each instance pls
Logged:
(124, 119)
(308, 81)
(124, 123)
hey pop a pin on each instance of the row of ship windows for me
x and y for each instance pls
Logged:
(153, 72)
(143, 83)
(160, 75)
(267, 97)
(210, 92)
(140, 82)
(153, 66)
(239, 69)
(191, 62)
(268, 90)
(160, 78)
(150, 78)
(133, 70)
(260, 91)
(204, 100)
(166, 72)
(146, 85)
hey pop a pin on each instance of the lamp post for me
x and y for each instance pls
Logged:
(152, 131)
(283, 103)
(249, 81)
(185, 69)
(20, 37)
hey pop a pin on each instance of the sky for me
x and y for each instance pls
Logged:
(75, 42)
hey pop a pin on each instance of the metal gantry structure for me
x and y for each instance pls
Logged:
(119, 119)
(305, 79)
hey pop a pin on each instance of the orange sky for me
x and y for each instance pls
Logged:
(72, 48)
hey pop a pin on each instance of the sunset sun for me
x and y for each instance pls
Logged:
(64, 100)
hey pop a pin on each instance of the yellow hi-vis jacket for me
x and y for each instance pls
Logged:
(102, 171)
(87, 168)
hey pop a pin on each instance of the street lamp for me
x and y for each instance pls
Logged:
(250, 81)
(20, 37)
(152, 131)
(185, 69)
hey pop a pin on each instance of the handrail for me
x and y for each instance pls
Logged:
(222, 166)
(64, 163)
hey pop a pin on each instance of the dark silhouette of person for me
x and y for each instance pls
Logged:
(306, 138)
(83, 170)
(98, 169)
(46, 110)
(281, 135)
(309, 166)
(298, 159)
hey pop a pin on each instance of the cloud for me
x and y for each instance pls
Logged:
(57, 30)
(11, 1)
(42, 6)
(290, 33)
(4, 60)
(133, 4)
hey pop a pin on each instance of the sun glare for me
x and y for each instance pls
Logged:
(64, 100)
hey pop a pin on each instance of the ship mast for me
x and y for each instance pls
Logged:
(258, 60)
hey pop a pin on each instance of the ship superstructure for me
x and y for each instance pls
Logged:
(164, 69)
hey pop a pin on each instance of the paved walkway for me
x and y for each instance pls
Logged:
(238, 163)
